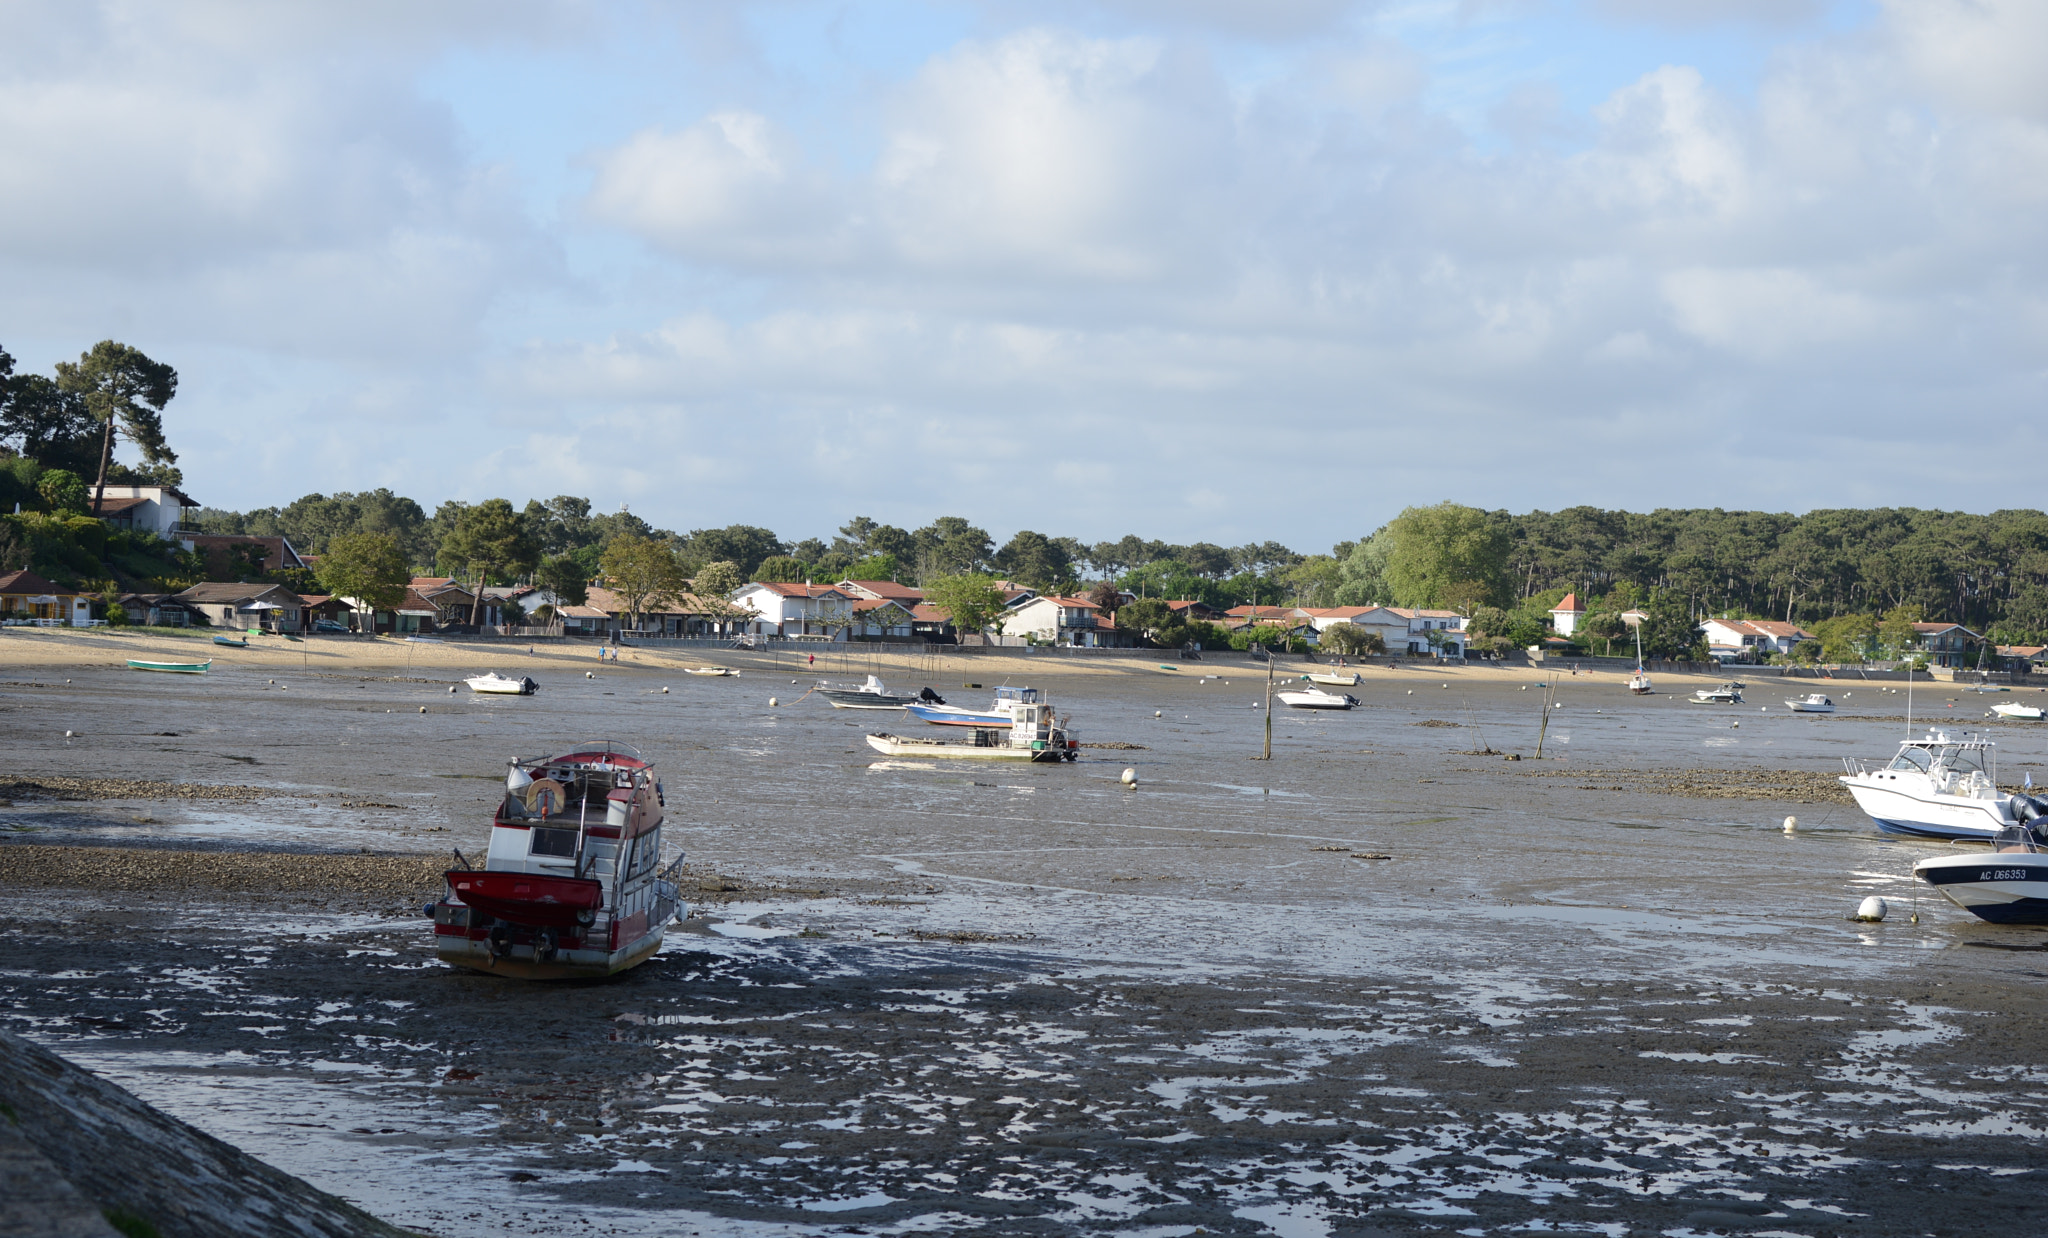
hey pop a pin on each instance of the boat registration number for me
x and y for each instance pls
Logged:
(2003, 874)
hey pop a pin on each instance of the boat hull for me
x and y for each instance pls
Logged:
(526, 959)
(528, 899)
(486, 686)
(863, 700)
(1335, 681)
(953, 715)
(1798, 708)
(1917, 814)
(170, 668)
(2022, 713)
(897, 746)
(2001, 888)
(1315, 700)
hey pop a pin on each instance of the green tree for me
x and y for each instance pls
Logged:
(1447, 552)
(743, 545)
(1352, 640)
(63, 490)
(1605, 627)
(644, 573)
(489, 538)
(1314, 581)
(369, 567)
(970, 599)
(565, 576)
(713, 588)
(1897, 632)
(1846, 638)
(1035, 560)
(1145, 617)
(874, 567)
(949, 546)
(1363, 573)
(782, 568)
(119, 385)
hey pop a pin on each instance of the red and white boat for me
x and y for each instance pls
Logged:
(574, 884)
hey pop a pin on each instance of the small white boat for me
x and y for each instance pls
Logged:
(1639, 683)
(2013, 709)
(2007, 886)
(1937, 787)
(1315, 698)
(1335, 679)
(1811, 703)
(494, 684)
(1722, 694)
(709, 670)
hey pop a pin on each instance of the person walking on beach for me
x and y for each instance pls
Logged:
(814, 659)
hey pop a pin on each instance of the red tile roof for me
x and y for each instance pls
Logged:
(796, 589)
(1571, 603)
(27, 582)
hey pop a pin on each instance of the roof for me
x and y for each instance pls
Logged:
(925, 612)
(581, 612)
(414, 604)
(1764, 627)
(1265, 612)
(429, 582)
(883, 589)
(604, 601)
(2022, 651)
(796, 589)
(1189, 605)
(25, 581)
(224, 593)
(110, 507)
(322, 599)
(1571, 603)
(862, 606)
(1929, 629)
(1065, 602)
(278, 548)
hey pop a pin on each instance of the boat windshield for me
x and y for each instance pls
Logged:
(2020, 838)
(1912, 757)
(1962, 760)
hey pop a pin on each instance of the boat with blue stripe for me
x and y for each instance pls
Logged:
(1001, 713)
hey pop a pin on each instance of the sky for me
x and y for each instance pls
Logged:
(1195, 269)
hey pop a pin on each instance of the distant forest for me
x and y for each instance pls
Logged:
(1986, 571)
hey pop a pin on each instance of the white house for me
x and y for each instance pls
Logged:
(1406, 630)
(1733, 638)
(155, 509)
(820, 612)
(1565, 615)
(1062, 620)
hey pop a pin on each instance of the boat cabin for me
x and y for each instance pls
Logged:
(595, 813)
(1955, 766)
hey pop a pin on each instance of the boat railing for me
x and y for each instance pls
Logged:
(1858, 766)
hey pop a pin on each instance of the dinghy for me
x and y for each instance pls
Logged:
(709, 670)
(1335, 679)
(231, 642)
(173, 668)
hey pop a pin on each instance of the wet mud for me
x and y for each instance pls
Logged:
(1372, 986)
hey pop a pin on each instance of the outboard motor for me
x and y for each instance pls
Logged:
(2025, 808)
(930, 697)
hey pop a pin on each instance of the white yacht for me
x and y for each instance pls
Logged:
(1936, 787)
(1811, 703)
(1315, 698)
(2014, 709)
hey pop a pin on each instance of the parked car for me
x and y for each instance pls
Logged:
(329, 625)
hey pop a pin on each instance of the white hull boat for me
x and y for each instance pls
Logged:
(2007, 886)
(2017, 711)
(1334, 679)
(709, 670)
(1725, 694)
(1937, 787)
(1639, 683)
(495, 684)
(871, 695)
(1315, 698)
(1811, 703)
(1033, 734)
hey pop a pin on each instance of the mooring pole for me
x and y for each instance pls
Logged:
(1269, 707)
(1544, 727)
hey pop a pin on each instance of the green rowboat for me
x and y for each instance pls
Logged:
(175, 668)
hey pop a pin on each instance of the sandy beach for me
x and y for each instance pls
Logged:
(1388, 982)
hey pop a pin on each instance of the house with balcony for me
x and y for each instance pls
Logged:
(796, 611)
(159, 510)
(1750, 640)
(1057, 620)
(1946, 644)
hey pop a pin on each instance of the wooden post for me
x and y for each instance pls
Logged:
(1545, 726)
(1269, 707)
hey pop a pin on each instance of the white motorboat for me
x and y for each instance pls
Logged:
(2015, 710)
(709, 670)
(1721, 694)
(1811, 703)
(870, 694)
(1315, 698)
(1033, 734)
(1000, 713)
(1335, 679)
(2007, 886)
(1937, 787)
(494, 684)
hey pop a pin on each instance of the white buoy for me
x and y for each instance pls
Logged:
(1791, 824)
(69, 734)
(1736, 723)
(1447, 685)
(590, 674)
(1763, 709)
(792, 681)
(1157, 714)
(664, 691)
(1872, 909)
(451, 689)
(423, 709)
(772, 702)
(1411, 692)
(1129, 778)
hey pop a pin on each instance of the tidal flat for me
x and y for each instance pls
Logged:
(1388, 982)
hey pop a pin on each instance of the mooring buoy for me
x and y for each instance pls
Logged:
(1872, 909)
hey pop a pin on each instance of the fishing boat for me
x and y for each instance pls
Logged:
(1811, 703)
(1936, 787)
(1315, 698)
(1033, 734)
(2018, 711)
(871, 694)
(231, 642)
(174, 668)
(1334, 679)
(1721, 694)
(2007, 886)
(494, 684)
(574, 884)
(1000, 713)
(709, 670)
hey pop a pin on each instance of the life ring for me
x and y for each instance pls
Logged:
(546, 796)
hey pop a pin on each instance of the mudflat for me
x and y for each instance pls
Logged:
(1388, 982)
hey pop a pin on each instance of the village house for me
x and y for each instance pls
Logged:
(1742, 640)
(1061, 621)
(156, 610)
(1946, 644)
(229, 556)
(146, 509)
(325, 612)
(1194, 612)
(2020, 659)
(270, 608)
(795, 611)
(881, 619)
(605, 613)
(27, 598)
(1566, 616)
